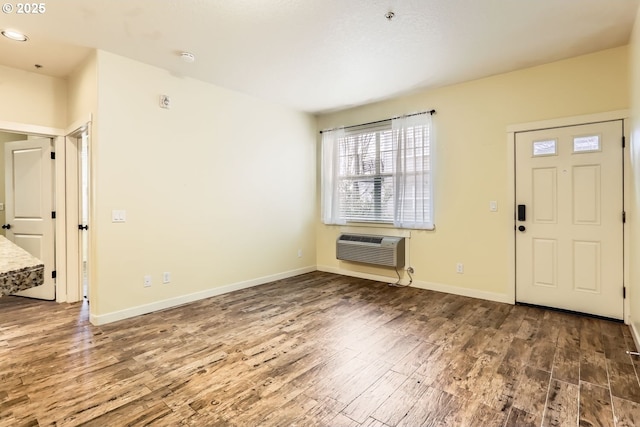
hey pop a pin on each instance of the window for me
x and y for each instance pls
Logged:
(544, 148)
(585, 144)
(379, 173)
(364, 180)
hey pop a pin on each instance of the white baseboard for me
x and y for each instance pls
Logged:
(103, 319)
(636, 335)
(439, 287)
(360, 275)
(465, 292)
(196, 296)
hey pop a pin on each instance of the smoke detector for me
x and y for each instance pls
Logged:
(165, 102)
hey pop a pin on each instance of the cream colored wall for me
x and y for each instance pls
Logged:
(218, 190)
(634, 209)
(29, 99)
(32, 98)
(82, 90)
(471, 161)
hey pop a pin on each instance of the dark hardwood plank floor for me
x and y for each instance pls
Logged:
(316, 350)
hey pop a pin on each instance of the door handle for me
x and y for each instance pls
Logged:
(522, 213)
(6, 226)
(83, 227)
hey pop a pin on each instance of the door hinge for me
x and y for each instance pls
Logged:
(624, 292)
(53, 215)
(624, 142)
(53, 155)
(53, 274)
(624, 217)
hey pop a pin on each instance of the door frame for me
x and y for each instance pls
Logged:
(622, 115)
(73, 186)
(66, 290)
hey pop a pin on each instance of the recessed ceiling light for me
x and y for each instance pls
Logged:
(14, 35)
(187, 56)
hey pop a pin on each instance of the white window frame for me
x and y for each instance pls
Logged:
(411, 193)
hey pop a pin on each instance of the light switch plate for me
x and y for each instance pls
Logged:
(1, 206)
(493, 206)
(118, 216)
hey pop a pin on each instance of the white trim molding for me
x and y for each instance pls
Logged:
(31, 129)
(570, 121)
(635, 334)
(103, 319)
(361, 275)
(375, 229)
(60, 207)
(465, 292)
(438, 287)
(78, 125)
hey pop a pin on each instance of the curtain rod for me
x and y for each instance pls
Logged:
(432, 112)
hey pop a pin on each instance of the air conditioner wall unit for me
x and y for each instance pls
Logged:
(386, 251)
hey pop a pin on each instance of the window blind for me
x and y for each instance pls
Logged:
(379, 172)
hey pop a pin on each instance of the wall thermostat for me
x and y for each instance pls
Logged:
(165, 101)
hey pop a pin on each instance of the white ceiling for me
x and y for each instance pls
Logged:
(320, 55)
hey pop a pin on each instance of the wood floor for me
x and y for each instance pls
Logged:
(316, 350)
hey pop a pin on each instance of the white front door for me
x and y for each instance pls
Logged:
(29, 202)
(569, 226)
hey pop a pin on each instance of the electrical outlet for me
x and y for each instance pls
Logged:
(410, 270)
(460, 268)
(166, 277)
(299, 253)
(147, 281)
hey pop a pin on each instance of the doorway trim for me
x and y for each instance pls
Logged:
(60, 144)
(73, 184)
(623, 115)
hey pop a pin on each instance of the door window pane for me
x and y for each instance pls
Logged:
(583, 144)
(544, 148)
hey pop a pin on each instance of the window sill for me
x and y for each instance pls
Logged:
(377, 229)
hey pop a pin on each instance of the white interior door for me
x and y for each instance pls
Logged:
(569, 239)
(83, 160)
(29, 203)
(77, 215)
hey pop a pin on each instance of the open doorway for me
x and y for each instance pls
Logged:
(28, 204)
(78, 213)
(70, 213)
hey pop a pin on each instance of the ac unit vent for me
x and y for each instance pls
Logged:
(386, 251)
(361, 238)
